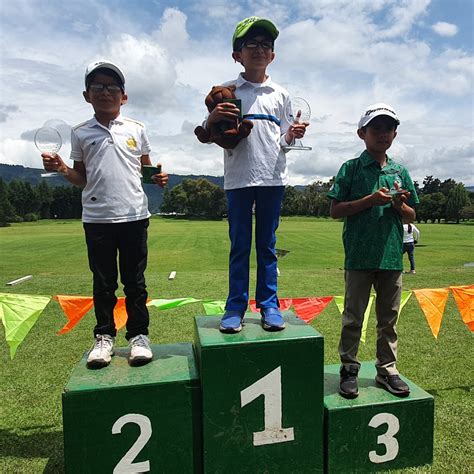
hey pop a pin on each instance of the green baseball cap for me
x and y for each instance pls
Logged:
(244, 26)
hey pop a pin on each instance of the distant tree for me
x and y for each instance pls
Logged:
(431, 185)
(7, 211)
(456, 201)
(197, 198)
(44, 196)
(467, 212)
(417, 187)
(289, 205)
(432, 207)
(446, 186)
(22, 197)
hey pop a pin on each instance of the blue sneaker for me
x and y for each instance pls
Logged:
(231, 322)
(272, 320)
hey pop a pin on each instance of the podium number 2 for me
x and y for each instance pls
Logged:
(270, 387)
(126, 463)
(391, 443)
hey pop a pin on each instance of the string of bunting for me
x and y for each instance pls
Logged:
(19, 313)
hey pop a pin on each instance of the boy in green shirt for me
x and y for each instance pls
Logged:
(375, 196)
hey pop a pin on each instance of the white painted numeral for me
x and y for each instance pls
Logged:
(270, 387)
(126, 465)
(391, 443)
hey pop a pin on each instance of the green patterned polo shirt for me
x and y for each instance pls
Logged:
(373, 238)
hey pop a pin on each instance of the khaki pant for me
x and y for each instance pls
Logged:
(388, 288)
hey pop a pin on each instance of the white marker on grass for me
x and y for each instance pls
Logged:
(20, 280)
(172, 275)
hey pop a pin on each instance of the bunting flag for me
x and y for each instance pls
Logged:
(19, 314)
(404, 300)
(308, 308)
(120, 313)
(365, 322)
(432, 302)
(464, 297)
(339, 300)
(213, 307)
(305, 308)
(75, 308)
(171, 303)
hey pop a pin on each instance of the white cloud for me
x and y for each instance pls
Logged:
(340, 55)
(445, 29)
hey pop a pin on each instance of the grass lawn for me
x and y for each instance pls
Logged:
(54, 253)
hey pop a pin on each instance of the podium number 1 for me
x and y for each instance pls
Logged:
(391, 443)
(270, 387)
(126, 464)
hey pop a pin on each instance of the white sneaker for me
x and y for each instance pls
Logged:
(102, 351)
(140, 351)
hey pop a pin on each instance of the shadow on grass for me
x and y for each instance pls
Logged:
(29, 445)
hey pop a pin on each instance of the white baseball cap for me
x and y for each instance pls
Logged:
(375, 110)
(106, 64)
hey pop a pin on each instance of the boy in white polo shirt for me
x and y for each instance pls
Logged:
(255, 173)
(109, 151)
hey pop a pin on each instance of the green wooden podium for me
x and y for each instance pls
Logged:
(261, 397)
(134, 419)
(377, 430)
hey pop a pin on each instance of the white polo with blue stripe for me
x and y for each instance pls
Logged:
(259, 159)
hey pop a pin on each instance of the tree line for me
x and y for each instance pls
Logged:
(22, 202)
(199, 198)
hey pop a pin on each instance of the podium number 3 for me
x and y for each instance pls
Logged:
(391, 443)
(126, 463)
(270, 387)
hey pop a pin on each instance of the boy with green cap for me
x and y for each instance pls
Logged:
(375, 196)
(255, 173)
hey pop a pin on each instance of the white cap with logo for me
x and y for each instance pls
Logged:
(374, 111)
(106, 64)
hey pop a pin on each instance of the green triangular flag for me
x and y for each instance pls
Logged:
(19, 314)
(212, 307)
(171, 303)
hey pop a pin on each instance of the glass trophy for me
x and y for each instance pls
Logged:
(300, 112)
(394, 191)
(48, 140)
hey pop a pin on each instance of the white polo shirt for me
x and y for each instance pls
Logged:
(111, 157)
(259, 160)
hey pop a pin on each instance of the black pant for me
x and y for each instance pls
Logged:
(409, 248)
(129, 239)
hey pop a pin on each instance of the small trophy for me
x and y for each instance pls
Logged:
(48, 140)
(300, 112)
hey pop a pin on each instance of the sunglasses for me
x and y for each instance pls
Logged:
(254, 44)
(111, 88)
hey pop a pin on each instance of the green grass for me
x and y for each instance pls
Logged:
(54, 253)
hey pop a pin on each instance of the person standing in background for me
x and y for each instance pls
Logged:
(411, 235)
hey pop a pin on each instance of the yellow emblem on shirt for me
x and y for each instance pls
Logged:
(131, 143)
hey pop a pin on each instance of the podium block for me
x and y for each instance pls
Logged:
(134, 419)
(377, 430)
(262, 395)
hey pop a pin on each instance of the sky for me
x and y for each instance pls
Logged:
(339, 55)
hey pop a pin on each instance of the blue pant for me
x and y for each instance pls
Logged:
(240, 202)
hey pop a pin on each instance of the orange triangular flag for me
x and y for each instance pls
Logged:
(120, 313)
(464, 297)
(75, 308)
(308, 308)
(433, 302)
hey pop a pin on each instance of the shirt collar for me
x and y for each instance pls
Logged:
(94, 122)
(242, 81)
(367, 160)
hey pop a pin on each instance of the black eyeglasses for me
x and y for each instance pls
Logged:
(111, 88)
(253, 44)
